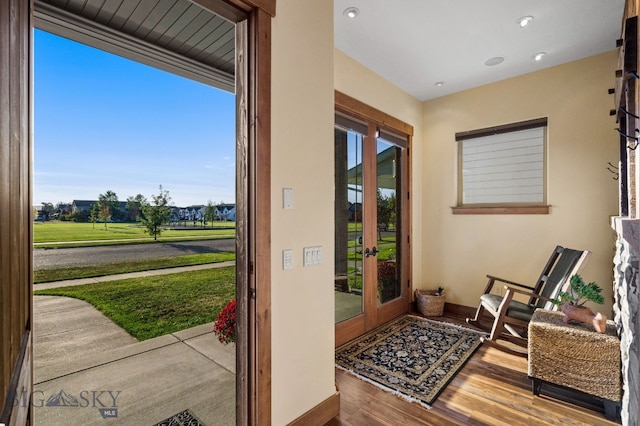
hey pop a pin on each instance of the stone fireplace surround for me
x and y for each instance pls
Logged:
(626, 309)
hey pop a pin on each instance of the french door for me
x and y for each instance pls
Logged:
(372, 284)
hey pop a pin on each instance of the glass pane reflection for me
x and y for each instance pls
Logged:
(388, 213)
(348, 228)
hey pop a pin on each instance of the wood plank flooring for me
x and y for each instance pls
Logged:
(491, 389)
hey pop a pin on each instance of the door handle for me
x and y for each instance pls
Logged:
(372, 252)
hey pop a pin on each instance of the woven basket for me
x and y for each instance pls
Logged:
(430, 304)
(574, 355)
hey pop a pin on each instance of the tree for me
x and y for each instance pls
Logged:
(94, 213)
(209, 212)
(61, 210)
(156, 213)
(108, 205)
(386, 208)
(47, 210)
(134, 206)
(104, 213)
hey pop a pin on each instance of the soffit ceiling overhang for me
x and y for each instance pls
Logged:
(177, 36)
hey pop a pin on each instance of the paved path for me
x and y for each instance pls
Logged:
(83, 256)
(80, 352)
(141, 383)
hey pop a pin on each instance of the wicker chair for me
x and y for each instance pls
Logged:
(511, 317)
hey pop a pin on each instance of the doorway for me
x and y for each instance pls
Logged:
(372, 257)
(114, 123)
(253, 18)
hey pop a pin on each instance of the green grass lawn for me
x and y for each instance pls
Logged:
(72, 273)
(65, 232)
(154, 306)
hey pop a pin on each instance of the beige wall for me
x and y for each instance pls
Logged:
(360, 83)
(459, 250)
(302, 159)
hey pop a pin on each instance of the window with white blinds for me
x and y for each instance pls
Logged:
(503, 166)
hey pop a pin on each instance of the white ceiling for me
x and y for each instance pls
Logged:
(416, 43)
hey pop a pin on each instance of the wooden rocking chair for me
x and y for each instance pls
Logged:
(512, 317)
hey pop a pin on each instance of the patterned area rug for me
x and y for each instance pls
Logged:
(412, 357)
(183, 418)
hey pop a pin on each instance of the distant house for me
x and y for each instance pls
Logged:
(225, 212)
(197, 212)
(175, 214)
(43, 213)
(190, 212)
(82, 206)
(37, 208)
(63, 208)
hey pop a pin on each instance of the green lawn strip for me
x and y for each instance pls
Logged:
(148, 240)
(71, 273)
(154, 306)
(55, 231)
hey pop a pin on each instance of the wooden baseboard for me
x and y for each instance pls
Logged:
(321, 413)
(459, 311)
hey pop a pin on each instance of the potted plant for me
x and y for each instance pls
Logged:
(225, 325)
(572, 303)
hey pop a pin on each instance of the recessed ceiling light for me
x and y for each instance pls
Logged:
(351, 12)
(524, 21)
(538, 56)
(439, 83)
(494, 61)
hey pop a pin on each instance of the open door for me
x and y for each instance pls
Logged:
(16, 269)
(15, 213)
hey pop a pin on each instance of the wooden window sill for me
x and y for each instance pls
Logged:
(543, 209)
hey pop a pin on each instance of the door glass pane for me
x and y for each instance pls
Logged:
(388, 213)
(348, 228)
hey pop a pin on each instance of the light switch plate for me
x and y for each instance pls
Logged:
(287, 259)
(287, 198)
(312, 256)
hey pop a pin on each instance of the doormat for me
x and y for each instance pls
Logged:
(412, 357)
(183, 418)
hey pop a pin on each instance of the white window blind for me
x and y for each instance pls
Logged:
(504, 168)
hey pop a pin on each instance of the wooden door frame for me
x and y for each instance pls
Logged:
(378, 119)
(253, 379)
(16, 227)
(253, 179)
(253, 203)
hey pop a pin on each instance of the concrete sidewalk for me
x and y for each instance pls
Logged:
(87, 369)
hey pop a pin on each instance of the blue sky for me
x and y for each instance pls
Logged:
(104, 122)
